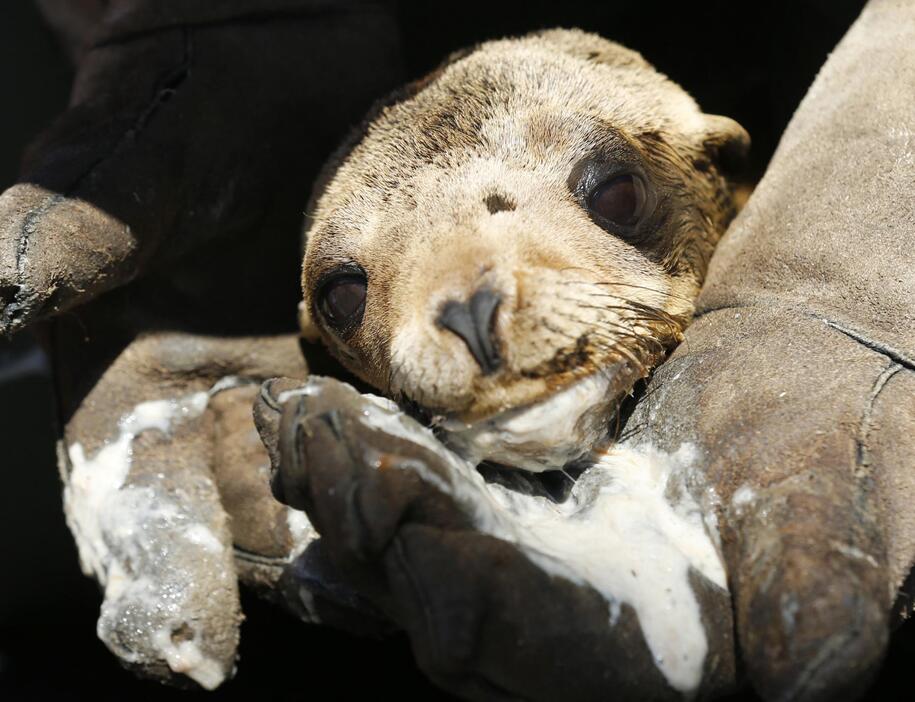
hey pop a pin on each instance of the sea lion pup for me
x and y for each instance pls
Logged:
(509, 244)
(504, 249)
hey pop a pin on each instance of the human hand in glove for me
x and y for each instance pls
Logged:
(792, 393)
(159, 219)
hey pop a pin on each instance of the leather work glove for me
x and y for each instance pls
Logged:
(505, 594)
(160, 218)
(792, 402)
(796, 381)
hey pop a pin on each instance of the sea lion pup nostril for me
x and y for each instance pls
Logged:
(473, 322)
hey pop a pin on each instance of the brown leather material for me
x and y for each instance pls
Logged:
(795, 380)
(183, 134)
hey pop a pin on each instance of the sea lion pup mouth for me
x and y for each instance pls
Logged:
(512, 242)
(546, 434)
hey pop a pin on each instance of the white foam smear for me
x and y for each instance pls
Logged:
(630, 529)
(93, 481)
(742, 499)
(186, 657)
(623, 533)
(301, 531)
(541, 436)
(123, 531)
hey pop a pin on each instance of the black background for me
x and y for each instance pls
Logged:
(752, 62)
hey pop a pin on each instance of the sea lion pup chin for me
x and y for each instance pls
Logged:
(512, 242)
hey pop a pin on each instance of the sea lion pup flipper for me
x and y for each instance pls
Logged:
(503, 595)
(797, 381)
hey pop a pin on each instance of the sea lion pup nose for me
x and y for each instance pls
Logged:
(513, 241)
(473, 322)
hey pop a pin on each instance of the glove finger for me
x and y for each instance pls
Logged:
(53, 249)
(486, 622)
(334, 461)
(142, 496)
(149, 525)
(801, 528)
(174, 135)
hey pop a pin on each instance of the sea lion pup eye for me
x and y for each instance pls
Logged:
(341, 298)
(536, 218)
(622, 201)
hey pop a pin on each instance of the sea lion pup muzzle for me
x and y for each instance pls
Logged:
(512, 242)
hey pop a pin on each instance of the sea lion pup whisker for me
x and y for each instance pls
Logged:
(615, 341)
(628, 307)
(618, 333)
(613, 347)
(622, 284)
(458, 250)
(666, 293)
(647, 315)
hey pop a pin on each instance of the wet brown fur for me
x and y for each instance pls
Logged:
(468, 178)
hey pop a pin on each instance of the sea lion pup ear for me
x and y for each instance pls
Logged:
(726, 142)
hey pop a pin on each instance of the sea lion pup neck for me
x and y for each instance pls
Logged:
(512, 242)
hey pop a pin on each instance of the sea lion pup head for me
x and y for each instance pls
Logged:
(529, 223)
